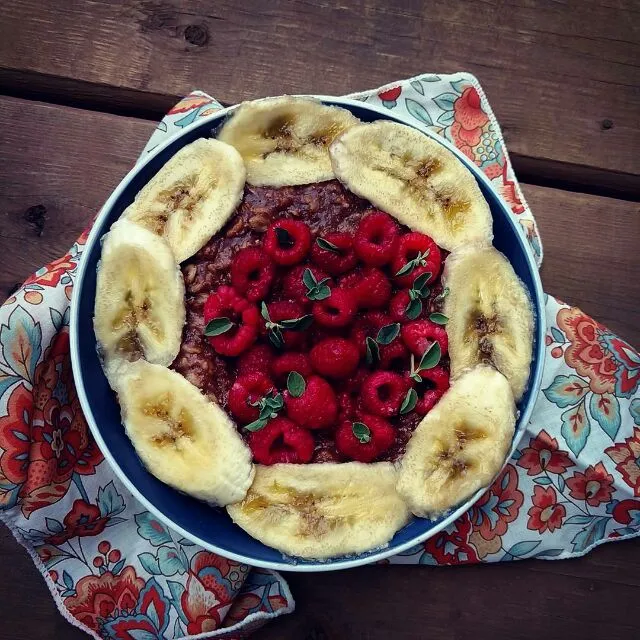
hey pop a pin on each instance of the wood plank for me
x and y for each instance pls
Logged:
(591, 257)
(562, 77)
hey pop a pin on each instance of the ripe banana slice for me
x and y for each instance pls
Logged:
(490, 316)
(139, 307)
(460, 445)
(414, 178)
(285, 141)
(192, 196)
(183, 439)
(322, 510)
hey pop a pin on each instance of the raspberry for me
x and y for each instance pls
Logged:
(258, 358)
(420, 334)
(350, 280)
(316, 408)
(281, 441)
(381, 436)
(335, 262)
(409, 246)
(287, 241)
(226, 303)
(283, 365)
(374, 289)
(437, 382)
(383, 393)
(398, 306)
(252, 273)
(338, 310)
(376, 239)
(335, 358)
(347, 406)
(394, 356)
(293, 286)
(284, 310)
(248, 388)
(367, 326)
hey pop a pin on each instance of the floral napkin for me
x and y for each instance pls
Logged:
(115, 571)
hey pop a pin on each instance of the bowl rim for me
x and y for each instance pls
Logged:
(308, 565)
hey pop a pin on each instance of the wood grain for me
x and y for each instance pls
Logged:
(69, 160)
(562, 77)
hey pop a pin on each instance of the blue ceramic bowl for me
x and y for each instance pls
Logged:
(209, 527)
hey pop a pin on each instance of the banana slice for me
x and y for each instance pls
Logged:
(285, 141)
(183, 439)
(490, 316)
(192, 196)
(139, 308)
(460, 445)
(415, 179)
(322, 510)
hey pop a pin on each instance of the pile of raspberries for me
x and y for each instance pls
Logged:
(328, 334)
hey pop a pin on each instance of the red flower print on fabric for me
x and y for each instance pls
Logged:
(451, 546)
(626, 455)
(50, 275)
(595, 485)
(545, 514)
(543, 454)
(469, 119)
(84, 519)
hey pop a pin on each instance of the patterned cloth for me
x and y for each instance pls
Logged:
(116, 572)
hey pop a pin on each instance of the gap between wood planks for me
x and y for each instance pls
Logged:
(127, 102)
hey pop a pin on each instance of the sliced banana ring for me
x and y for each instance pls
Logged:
(183, 439)
(414, 178)
(322, 510)
(285, 141)
(192, 196)
(460, 445)
(490, 316)
(139, 307)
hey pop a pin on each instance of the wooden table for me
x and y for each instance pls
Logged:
(81, 84)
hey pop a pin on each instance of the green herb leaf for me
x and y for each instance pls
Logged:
(413, 309)
(285, 239)
(297, 324)
(309, 279)
(430, 357)
(443, 295)
(361, 432)
(256, 425)
(438, 318)
(421, 281)
(264, 312)
(388, 333)
(296, 384)
(327, 246)
(321, 292)
(276, 338)
(218, 326)
(407, 269)
(409, 402)
(373, 351)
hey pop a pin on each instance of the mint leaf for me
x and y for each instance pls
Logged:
(256, 425)
(388, 333)
(430, 357)
(218, 326)
(373, 351)
(309, 279)
(326, 245)
(438, 318)
(361, 432)
(295, 384)
(413, 309)
(409, 402)
(297, 324)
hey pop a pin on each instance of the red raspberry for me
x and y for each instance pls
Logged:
(394, 356)
(350, 281)
(334, 262)
(420, 334)
(316, 408)
(408, 247)
(381, 435)
(283, 365)
(335, 358)
(285, 310)
(293, 286)
(293, 244)
(281, 441)
(347, 403)
(374, 289)
(437, 382)
(226, 303)
(252, 273)
(338, 310)
(248, 388)
(398, 306)
(367, 326)
(376, 239)
(383, 393)
(258, 358)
